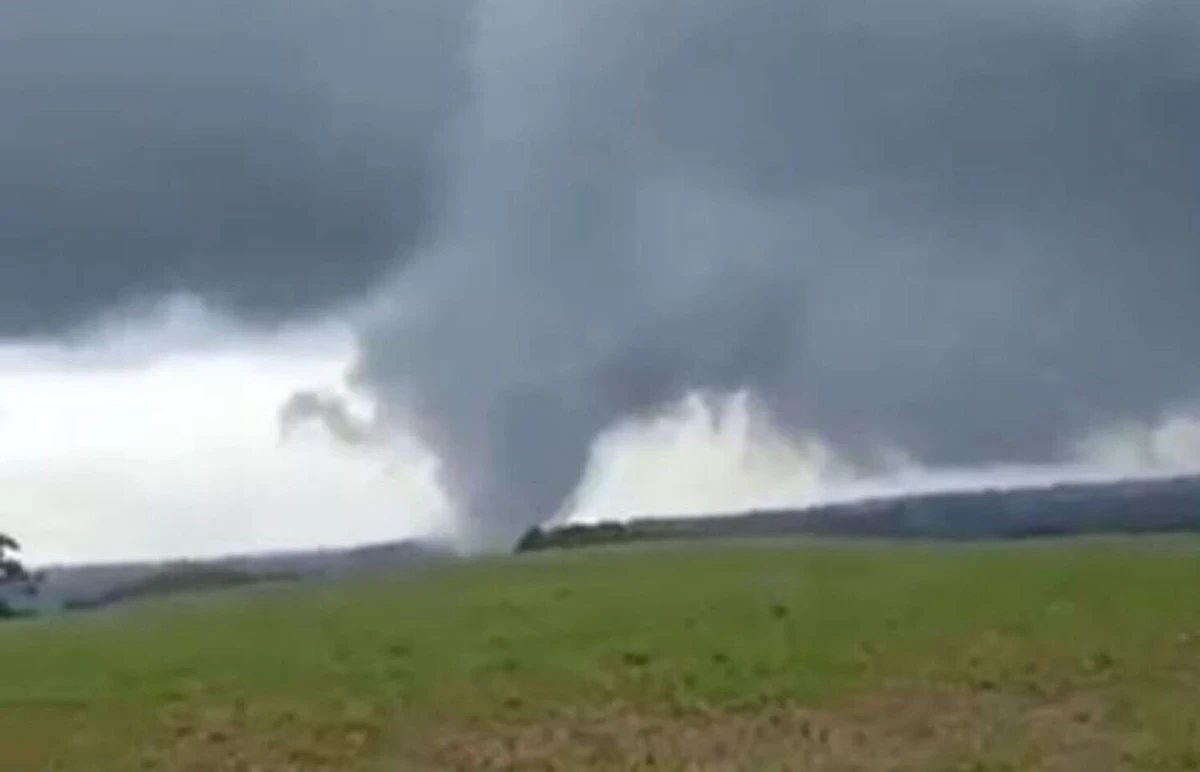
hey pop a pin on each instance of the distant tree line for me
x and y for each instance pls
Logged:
(1128, 507)
(539, 538)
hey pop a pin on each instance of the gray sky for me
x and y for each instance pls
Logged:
(964, 229)
(275, 155)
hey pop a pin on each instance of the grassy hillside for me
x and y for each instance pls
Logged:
(821, 656)
(91, 586)
(178, 580)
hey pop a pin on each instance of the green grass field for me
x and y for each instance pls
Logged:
(794, 655)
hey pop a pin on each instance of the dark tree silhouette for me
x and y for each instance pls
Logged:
(14, 578)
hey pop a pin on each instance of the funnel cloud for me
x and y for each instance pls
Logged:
(966, 231)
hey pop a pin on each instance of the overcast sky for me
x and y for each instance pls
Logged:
(913, 233)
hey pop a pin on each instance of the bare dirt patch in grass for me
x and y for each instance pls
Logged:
(894, 729)
(245, 737)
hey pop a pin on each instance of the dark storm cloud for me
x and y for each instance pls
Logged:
(966, 229)
(274, 155)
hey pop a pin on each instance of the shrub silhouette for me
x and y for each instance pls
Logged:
(13, 576)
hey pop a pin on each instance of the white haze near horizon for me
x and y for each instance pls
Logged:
(156, 435)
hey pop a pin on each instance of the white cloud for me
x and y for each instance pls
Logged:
(704, 455)
(717, 455)
(156, 434)
(1172, 445)
(159, 437)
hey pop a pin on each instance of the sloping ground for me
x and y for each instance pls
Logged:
(92, 586)
(817, 656)
(180, 580)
